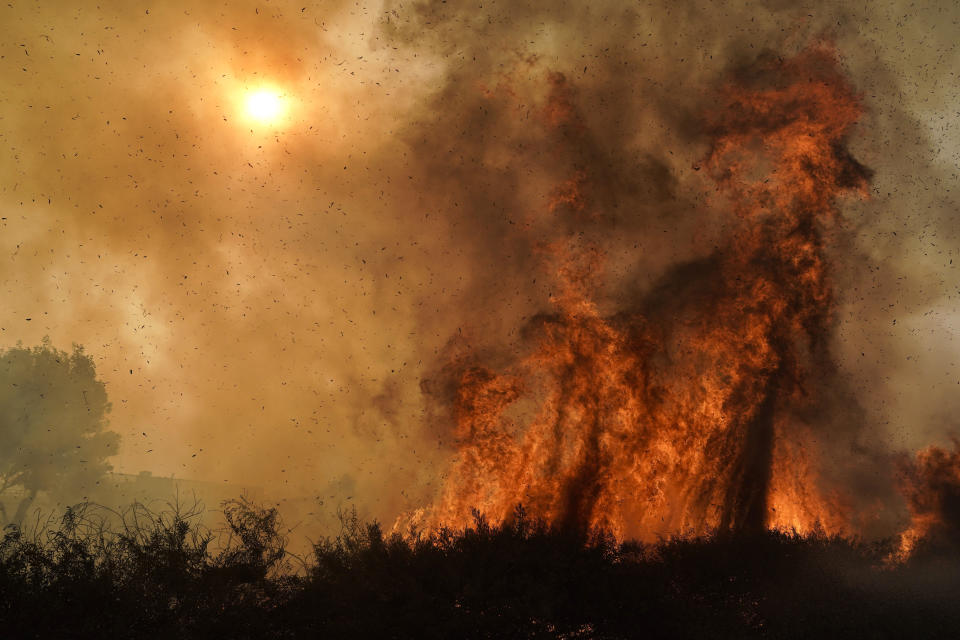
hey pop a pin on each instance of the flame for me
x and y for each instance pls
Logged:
(931, 484)
(680, 416)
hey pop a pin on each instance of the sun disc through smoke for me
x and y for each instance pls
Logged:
(265, 106)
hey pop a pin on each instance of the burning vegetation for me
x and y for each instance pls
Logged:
(684, 413)
(931, 485)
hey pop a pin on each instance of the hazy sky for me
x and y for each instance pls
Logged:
(264, 300)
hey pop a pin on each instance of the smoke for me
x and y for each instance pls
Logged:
(282, 301)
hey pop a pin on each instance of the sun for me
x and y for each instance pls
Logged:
(265, 106)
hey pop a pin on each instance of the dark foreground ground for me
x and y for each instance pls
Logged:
(157, 575)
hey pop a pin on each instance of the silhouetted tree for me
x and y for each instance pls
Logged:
(53, 425)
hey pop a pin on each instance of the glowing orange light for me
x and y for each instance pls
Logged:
(265, 106)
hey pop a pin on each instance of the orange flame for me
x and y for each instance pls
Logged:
(931, 485)
(680, 417)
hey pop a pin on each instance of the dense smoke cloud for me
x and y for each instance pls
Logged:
(282, 301)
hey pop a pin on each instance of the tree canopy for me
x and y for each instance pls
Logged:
(53, 425)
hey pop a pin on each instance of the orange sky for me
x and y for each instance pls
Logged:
(263, 301)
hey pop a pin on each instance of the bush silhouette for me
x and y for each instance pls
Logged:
(145, 573)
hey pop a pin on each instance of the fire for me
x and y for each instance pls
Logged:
(681, 416)
(931, 485)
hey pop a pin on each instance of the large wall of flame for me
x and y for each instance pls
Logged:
(272, 309)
